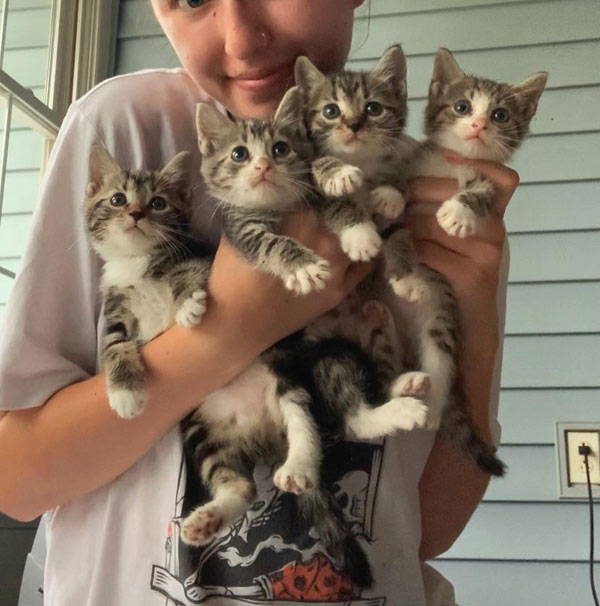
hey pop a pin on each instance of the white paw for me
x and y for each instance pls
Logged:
(408, 413)
(192, 309)
(361, 242)
(125, 402)
(411, 288)
(346, 181)
(387, 201)
(411, 384)
(457, 219)
(309, 277)
(290, 479)
(201, 525)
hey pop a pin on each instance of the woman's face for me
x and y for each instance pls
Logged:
(242, 52)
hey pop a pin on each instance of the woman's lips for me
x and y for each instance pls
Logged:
(264, 80)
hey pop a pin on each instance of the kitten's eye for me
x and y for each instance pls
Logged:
(281, 149)
(374, 108)
(462, 107)
(240, 154)
(331, 111)
(158, 203)
(500, 115)
(118, 200)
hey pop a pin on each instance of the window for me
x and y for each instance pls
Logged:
(51, 52)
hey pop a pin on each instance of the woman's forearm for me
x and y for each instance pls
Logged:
(76, 443)
(451, 486)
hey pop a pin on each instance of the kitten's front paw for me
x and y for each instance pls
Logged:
(361, 242)
(415, 384)
(457, 219)
(346, 181)
(408, 413)
(127, 403)
(307, 278)
(192, 309)
(387, 201)
(290, 479)
(411, 288)
(201, 525)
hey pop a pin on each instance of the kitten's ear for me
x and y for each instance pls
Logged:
(392, 68)
(177, 173)
(101, 165)
(289, 112)
(307, 76)
(213, 127)
(445, 71)
(529, 92)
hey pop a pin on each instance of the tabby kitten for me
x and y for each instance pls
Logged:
(359, 117)
(153, 274)
(477, 118)
(259, 170)
(302, 394)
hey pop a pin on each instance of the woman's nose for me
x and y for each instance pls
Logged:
(245, 32)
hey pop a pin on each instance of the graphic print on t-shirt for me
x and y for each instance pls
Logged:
(266, 556)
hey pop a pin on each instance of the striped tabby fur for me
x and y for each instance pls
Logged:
(153, 275)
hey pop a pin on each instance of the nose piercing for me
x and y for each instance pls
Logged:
(263, 39)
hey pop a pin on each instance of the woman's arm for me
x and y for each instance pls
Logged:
(75, 443)
(451, 486)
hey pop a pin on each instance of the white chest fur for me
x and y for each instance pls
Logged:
(245, 402)
(433, 164)
(150, 301)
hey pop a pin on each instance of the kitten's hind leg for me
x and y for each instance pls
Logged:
(300, 470)
(400, 413)
(233, 490)
(401, 267)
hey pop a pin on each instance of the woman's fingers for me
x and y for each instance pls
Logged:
(431, 189)
(482, 247)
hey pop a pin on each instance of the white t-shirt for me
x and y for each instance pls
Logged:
(119, 545)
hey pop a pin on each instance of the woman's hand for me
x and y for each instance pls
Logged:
(259, 305)
(472, 265)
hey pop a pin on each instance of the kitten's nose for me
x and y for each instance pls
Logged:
(262, 165)
(479, 124)
(354, 126)
(137, 215)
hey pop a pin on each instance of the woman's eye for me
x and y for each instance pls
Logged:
(118, 200)
(462, 107)
(500, 115)
(158, 203)
(374, 108)
(281, 149)
(190, 4)
(331, 111)
(240, 154)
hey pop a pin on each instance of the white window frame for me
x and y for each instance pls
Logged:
(81, 54)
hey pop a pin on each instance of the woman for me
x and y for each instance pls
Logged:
(113, 486)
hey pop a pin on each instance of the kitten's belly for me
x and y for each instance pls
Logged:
(245, 404)
(153, 306)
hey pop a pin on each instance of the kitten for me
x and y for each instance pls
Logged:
(477, 118)
(374, 142)
(304, 393)
(153, 275)
(259, 170)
